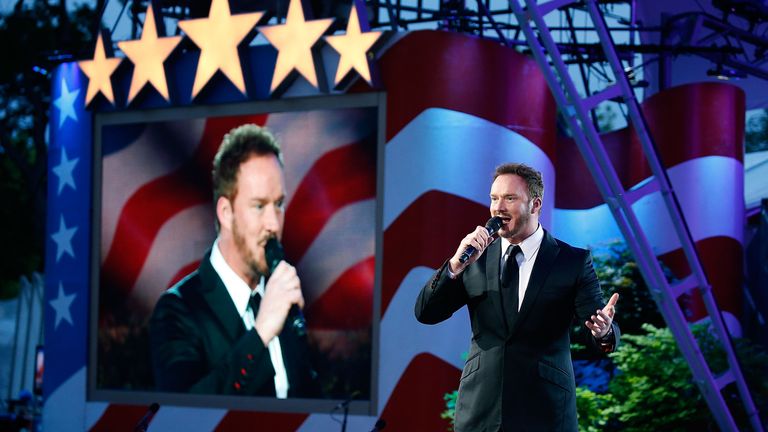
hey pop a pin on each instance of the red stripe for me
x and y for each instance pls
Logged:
(687, 122)
(417, 401)
(435, 69)
(153, 204)
(574, 186)
(426, 234)
(697, 120)
(338, 178)
(348, 302)
(724, 273)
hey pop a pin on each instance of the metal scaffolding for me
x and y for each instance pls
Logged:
(575, 107)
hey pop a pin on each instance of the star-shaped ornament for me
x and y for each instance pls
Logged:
(353, 47)
(63, 239)
(64, 171)
(99, 72)
(147, 55)
(61, 305)
(294, 41)
(66, 103)
(218, 37)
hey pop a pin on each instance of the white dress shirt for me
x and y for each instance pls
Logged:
(525, 260)
(241, 294)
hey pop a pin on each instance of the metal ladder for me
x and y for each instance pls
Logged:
(576, 109)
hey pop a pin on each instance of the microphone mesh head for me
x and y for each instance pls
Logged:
(494, 224)
(274, 253)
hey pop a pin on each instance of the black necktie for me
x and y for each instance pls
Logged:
(255, 302)
(510, 277)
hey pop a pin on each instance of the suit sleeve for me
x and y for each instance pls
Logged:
(440, 297)
(179, 358)
(589, 298)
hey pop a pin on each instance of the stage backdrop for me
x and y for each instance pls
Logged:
(455, 108)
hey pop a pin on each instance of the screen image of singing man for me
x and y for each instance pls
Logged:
(233, 326)
(523, 288)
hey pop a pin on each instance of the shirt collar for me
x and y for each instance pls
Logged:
(237, 288)
(529, 245)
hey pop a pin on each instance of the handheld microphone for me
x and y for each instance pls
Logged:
(274, 253)
(492, 226)
(143, 424)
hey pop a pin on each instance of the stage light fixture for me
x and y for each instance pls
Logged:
(724, 73)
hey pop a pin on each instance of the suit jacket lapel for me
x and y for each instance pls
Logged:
(541, 269)
(492, 258)
(217, 297)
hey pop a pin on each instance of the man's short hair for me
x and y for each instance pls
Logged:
(239, 145)
(531, 176)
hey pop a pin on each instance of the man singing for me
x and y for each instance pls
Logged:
(226, 327)
(522, 290)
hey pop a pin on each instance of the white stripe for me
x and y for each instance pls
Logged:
(93, 412)
(710, 191)
(170, 418)
(306, 136)
(402, 337)
(148, 158)
(346, 239)
(731, 323)
(182, 239)
(65, 407)
(455, 153)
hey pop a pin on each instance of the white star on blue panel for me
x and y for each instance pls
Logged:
(66, 103)
(61, 306)
(64, 171)
(63, 239)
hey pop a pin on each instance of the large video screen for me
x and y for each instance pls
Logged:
(154, 204)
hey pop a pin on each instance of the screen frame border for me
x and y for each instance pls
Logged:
(244, 403)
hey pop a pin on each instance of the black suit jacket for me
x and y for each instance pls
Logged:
(199, 344)
(520, 379)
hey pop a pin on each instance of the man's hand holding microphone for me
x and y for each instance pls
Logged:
(473, 245)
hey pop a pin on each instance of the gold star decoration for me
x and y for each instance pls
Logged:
(148, 55)
(218, 37)
(353, 47)
(294, 41)
(99, 70)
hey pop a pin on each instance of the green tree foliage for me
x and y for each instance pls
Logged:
(756, 137)
(654, 389)
(30, 36)
(618, 273)
(594, 409)
(608, 118)
(450, 408)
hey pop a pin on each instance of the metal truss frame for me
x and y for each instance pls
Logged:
(575, 108)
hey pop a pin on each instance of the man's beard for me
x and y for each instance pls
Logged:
(520, 223)
(246, 254)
